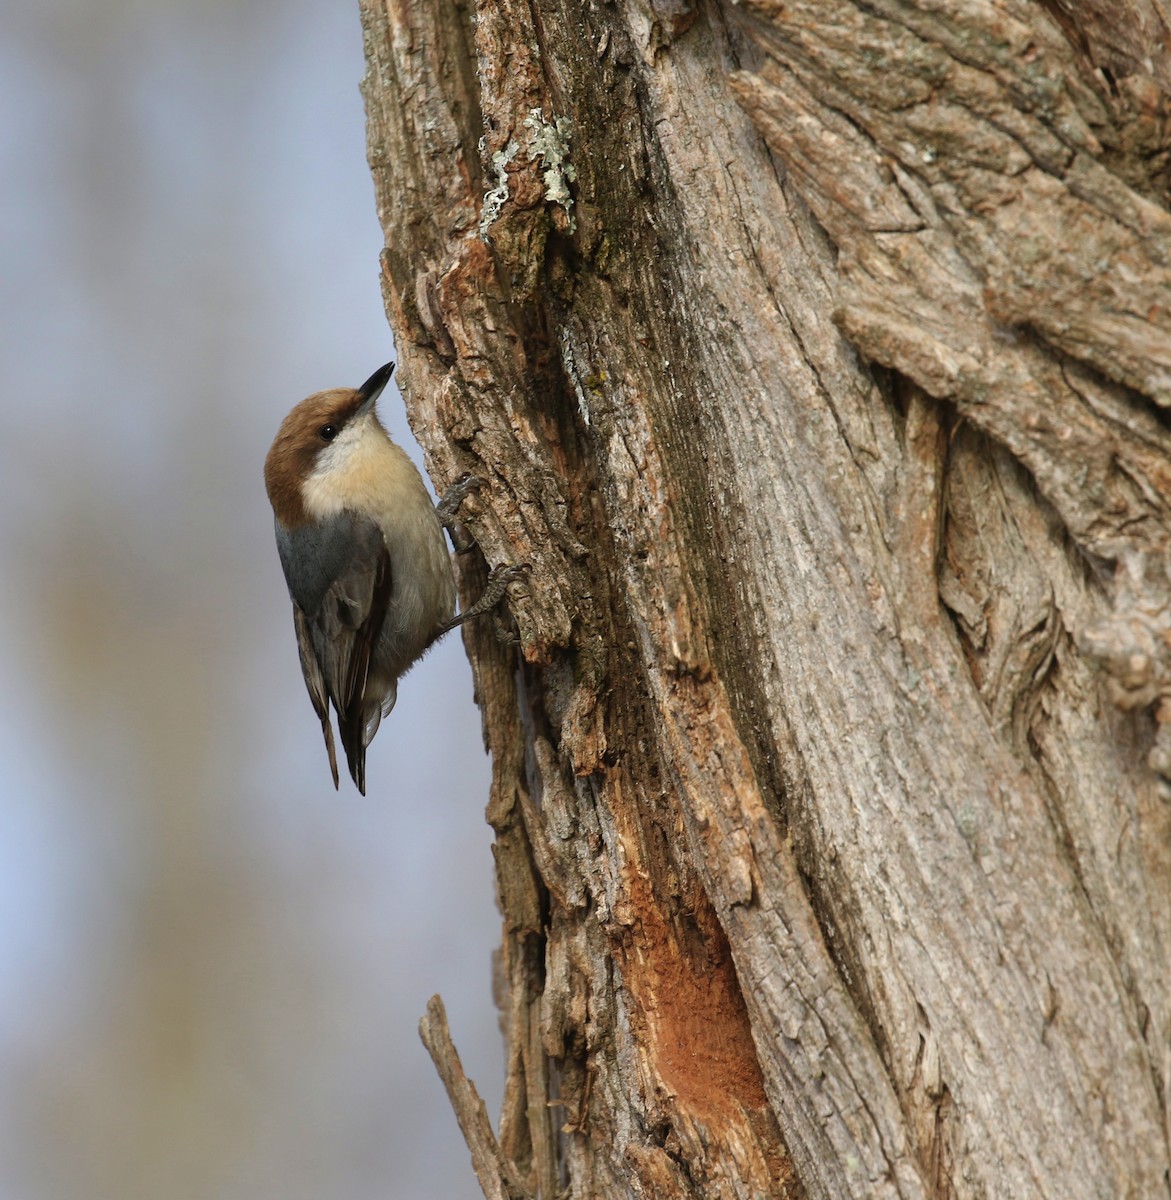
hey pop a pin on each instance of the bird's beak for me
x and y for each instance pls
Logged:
(372, 388)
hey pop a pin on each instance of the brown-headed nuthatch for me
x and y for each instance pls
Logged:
(364, 556)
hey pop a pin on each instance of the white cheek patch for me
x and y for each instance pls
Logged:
(336, 454)
(323, 493)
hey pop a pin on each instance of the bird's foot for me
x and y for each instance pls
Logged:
(498, 580)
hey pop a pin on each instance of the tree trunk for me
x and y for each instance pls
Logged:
(816, 356)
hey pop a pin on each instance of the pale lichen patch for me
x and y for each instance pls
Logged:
(495, 199)
(550, 140)
(548, 143)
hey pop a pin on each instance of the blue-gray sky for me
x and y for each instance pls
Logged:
(211, 966)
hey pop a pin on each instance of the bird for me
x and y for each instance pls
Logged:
(364, 557)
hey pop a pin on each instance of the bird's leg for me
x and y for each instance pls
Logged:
(448, 510)
(498, 582)
(448, 507)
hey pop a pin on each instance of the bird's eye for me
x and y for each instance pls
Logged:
(327, 433)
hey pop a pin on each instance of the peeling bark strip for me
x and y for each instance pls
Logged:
(830, 854)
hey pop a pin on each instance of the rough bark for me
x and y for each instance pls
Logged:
(816, 355)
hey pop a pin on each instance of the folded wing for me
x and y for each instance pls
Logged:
(340, 580)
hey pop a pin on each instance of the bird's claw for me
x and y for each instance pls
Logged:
(460, 490)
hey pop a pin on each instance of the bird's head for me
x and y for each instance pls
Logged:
(318, 437)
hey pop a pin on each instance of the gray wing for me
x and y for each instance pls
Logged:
(315, 682)
(313, 556)
(340, 580)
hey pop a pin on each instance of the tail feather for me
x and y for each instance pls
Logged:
(327, 730)
(352, 728)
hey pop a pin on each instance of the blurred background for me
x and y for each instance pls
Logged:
(211, 965)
